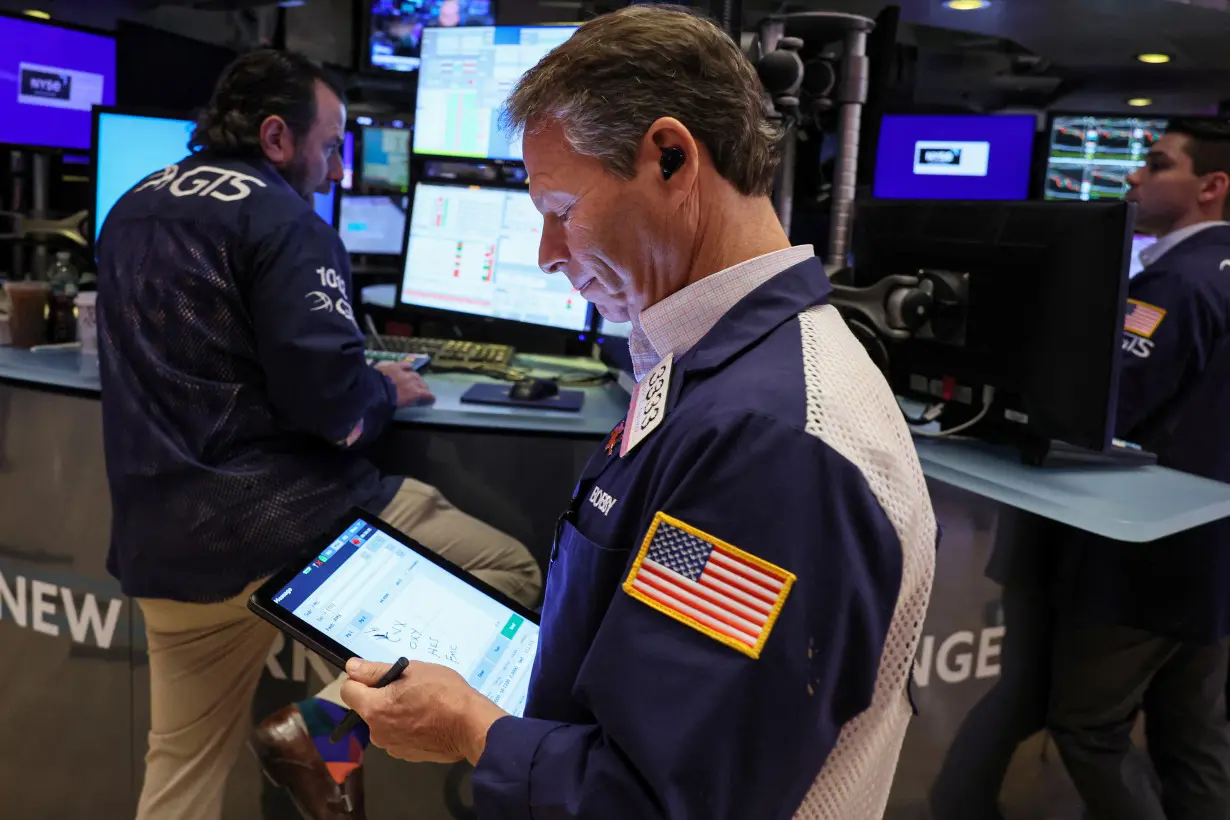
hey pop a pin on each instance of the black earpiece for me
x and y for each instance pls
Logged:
(672, 160)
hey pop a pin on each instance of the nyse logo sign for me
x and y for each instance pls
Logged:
(52, 86)
(939, 156)
(951, 158)
(45, 84)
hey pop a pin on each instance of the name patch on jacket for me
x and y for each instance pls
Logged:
(713, 587)
(1142, 318)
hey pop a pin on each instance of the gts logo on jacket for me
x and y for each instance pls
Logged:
(1137, 345)
(206, 180)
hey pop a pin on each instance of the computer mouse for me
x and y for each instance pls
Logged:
(534, 389)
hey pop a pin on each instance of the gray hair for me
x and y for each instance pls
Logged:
(622, 71)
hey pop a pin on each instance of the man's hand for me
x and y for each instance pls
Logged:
(411, 389)
(428, 715)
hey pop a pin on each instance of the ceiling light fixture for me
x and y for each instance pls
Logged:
(1139, 102)
(967, 5)
(1153, 58)
(36, 14)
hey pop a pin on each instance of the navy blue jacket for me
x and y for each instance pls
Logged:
(1174, 400)
(235, 394)
(634, 712)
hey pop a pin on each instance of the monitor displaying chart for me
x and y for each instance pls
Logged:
(373, 224)
(621, 330)
(465, 77)
(386, 158)
(475, 250)
(1090, 157)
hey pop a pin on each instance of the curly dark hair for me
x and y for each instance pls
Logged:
(258, 85)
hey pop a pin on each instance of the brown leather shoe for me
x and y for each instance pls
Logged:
(290, 760)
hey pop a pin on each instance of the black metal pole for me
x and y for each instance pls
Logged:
(729, 15)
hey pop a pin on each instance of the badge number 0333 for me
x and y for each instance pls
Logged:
(652, 402)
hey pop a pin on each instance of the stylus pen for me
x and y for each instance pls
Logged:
(352, 719)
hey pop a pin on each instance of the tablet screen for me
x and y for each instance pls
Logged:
(382, 600)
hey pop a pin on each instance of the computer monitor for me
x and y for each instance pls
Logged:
(348, 161)
(326, 206)
(1045, 290)
(50, 78)
(466, 75)
(1090, 157)
(130, 146)
(954, 156)
(613, 347)
(373, 224)
(395, 28)
(474, 250)
(386, 158)
(619, 330)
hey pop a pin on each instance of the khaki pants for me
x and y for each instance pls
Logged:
(205, 660)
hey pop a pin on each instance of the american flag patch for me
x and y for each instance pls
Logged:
(711, 586)
(1142, 318)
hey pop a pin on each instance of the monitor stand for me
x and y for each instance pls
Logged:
(1043, 453)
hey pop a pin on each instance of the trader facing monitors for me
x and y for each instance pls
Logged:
(1091, 157)
(50, 78)
(954, 156)
(465, 77)
(474, 250)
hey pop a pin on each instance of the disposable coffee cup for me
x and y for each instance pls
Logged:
(27, 312)
(87, 322)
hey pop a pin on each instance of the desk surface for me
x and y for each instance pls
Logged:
(604, 406)
(1129, 504)
(1125, 503)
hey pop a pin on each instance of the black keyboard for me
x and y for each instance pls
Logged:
(446, 352)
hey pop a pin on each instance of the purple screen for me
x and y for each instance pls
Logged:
(50, 77)
(954, 156)
(348, 161)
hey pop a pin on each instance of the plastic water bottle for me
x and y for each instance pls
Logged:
(62, 276)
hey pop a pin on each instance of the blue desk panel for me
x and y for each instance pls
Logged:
(1125, 503)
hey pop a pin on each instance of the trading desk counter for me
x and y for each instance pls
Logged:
(980, 672)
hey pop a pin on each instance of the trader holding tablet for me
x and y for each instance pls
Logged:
(737, 590)
(236, 407)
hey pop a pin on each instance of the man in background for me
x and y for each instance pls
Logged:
(1144, 627)
(237, 404)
